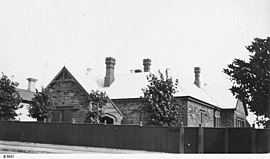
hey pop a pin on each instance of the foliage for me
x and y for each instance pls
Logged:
(251, 79)
(42, 105)
(98, 99)
(9, 98)
(160, 104)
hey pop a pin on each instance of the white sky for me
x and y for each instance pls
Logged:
(39, 37)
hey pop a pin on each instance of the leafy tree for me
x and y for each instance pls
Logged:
(162, 107)
(42, 105)
(9, 98)
(251, 79)
(98, 101)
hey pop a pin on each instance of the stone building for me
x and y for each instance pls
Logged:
(71, 99)
(71, 90)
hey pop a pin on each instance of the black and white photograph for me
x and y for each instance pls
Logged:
(87, 78)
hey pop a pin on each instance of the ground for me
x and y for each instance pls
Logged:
(10, 147)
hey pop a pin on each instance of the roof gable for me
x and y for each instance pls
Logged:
(86, 82)
(65, 75)
(240, 105)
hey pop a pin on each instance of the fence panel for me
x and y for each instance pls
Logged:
(190, 140)
(214, 140)
(128, 136)
(162, 139)
(239, 140)
(262, 139)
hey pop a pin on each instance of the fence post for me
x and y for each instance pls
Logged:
(200, 139)
(226, 140)
(252, 139)
(181, 138)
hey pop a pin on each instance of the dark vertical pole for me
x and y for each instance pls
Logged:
(226, 141)
(181, 139)
(252, 139)
(200, 139)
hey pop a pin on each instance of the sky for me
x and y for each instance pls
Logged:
(39, 37)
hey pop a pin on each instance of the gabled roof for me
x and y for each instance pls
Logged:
(130, 85)
(65, 72)
(222, 96)
(86, 82)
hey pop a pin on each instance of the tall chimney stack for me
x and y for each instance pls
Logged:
(146, 64)
(109, 77)
(197, 71)
(31, 84)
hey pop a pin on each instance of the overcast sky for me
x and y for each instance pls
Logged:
(39, 37)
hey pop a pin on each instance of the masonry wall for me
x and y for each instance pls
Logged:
(111, 112)
(240, 113)
(133, 113)
(183, 110)
(200, 114)
(227, 118)
(131, 110)
(69, 100)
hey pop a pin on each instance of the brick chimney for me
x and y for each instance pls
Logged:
(146, 64)
(31, 84)
(109, 77)
(197, 71)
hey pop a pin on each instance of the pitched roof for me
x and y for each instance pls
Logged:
(130, 85)
(222, 96)
(26, 95)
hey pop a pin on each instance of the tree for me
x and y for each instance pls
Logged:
(161, 105)
(98, 101)
(42, 105)
(251, 79)
(9, 98)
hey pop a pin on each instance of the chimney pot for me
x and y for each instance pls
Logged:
(31, 84)
(197, 71)
(146, 64)
(109, 77)
(138, 71)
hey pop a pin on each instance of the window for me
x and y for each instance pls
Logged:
(217, 122)
(203, 116)
(239, 122)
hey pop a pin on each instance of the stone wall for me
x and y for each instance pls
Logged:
(70, 99)
(227, 118)
(183, 110)
(240, 113)
(200, 114)
(131, 110)
(111, 112)
(133, 113)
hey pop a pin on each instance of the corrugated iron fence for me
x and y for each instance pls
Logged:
(162, 139)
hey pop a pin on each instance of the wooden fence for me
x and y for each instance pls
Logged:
(149, 138)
